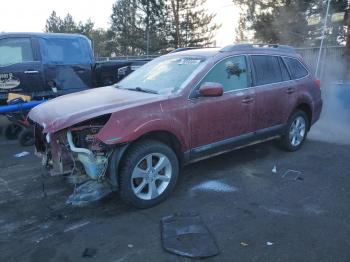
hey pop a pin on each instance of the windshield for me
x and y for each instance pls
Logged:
(162, 75)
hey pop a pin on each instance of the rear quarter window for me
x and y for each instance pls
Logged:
(296, 69)
(267, 69)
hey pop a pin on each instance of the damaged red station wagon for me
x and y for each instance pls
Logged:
(179, 108)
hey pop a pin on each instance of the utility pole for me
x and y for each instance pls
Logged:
(322, 40)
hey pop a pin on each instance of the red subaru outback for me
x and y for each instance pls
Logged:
(177, 109)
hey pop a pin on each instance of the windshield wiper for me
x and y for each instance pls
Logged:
(139, 89)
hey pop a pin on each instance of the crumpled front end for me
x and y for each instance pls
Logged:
(66, 151)
(77, 153)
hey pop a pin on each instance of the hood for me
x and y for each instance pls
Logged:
(68, 110)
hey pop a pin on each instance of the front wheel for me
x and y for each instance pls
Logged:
(296, 131)
(26, 137)
(148, 174)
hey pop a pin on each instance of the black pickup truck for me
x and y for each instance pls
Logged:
(44, 65)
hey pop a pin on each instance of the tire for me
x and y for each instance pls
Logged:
(12, 131)
(141, 184)
(296, 132)
(26, 137)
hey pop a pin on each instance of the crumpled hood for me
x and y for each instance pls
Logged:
(67, 110)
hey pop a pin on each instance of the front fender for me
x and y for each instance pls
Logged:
(127, 130)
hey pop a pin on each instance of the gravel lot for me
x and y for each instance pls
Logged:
(306, 215)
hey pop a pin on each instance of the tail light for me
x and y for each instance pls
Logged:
(318, 83)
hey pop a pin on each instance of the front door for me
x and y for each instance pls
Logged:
(216, 120)
(20, 69)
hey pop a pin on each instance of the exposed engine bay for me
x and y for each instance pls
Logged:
(77, 154)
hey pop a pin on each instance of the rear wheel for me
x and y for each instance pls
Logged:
(296, 131)
(12, 131)
(148, 174)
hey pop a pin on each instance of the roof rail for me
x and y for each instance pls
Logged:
(250, 46)
(183, 49)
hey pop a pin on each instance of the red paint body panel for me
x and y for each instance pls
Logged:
(68, 110)
(129, 124)
(195, 122)
(218, 118)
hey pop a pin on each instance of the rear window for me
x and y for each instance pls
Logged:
(267, 69)
(65, 51)
(296, 69)
(15, 50)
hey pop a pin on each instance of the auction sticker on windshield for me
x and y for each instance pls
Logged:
(8, 81)
(189, 61)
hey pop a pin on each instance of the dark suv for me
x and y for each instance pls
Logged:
(177, 109)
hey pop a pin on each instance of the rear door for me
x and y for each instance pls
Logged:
(215, 121)
(20, 66)
(274, 91)
(298, 73)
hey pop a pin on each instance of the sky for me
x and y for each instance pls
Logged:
(31, 15)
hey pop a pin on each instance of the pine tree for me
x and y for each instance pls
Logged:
(287, 21)
(123, 27)
(139, 26)
(191, 24)
(53, 23)
(152, 23)
(99, 37)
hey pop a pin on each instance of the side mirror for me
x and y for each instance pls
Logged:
(211, 89)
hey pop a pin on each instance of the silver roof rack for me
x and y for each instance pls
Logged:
(243, 47)
(180, 49)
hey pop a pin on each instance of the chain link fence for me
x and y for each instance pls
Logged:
(331, 66)
(104, 59)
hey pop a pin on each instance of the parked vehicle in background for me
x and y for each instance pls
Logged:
(177, 109)
(44, 65)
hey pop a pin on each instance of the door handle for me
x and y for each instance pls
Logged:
(290, 90)
(31, 72)
(247, 100)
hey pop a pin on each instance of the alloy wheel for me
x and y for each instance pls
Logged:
(297, 131)
(151, 176)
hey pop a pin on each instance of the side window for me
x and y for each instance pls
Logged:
(64, 51)
(296, 69)
(267, 69)
(15, 50)
(231, 73)
(284, 70)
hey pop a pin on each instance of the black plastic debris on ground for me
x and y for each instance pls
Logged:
(89, 192)
(186, 235)
(89, 252)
